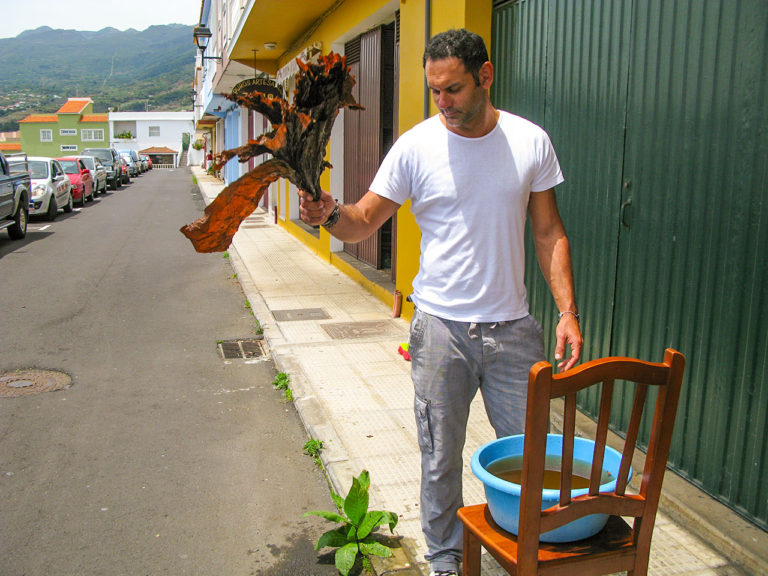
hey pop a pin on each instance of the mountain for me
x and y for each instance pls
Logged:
(123, 70)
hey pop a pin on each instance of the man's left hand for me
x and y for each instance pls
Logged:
(568, 332)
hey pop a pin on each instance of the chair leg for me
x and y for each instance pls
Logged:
(471, 559)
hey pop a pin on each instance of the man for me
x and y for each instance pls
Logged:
(472, 173)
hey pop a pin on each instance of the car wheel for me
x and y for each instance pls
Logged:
(53, 210)
(69, 205)
(114, 184)
(18, 229)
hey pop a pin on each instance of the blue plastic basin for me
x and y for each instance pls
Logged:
(504, 497)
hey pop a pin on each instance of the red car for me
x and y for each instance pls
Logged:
(80, 177)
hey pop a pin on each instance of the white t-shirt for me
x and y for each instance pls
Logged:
(470, 200)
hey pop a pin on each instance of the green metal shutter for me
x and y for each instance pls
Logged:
(659, 115)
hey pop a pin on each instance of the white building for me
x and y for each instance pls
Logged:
(156, 133)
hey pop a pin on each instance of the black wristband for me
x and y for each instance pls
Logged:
(333, 217)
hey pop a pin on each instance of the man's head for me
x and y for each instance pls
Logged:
(467, 46)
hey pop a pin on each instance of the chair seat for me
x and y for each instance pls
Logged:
(613, 543)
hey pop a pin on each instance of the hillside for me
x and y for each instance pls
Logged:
(123, 70)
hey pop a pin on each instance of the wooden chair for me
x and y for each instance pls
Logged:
(618, 547)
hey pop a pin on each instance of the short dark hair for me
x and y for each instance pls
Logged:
(460, 43)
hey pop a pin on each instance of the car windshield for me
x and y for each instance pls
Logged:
(70, 166)
(103, 155)
(38, 169)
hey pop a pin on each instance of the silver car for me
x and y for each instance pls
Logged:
(98, 171)
(51, 188)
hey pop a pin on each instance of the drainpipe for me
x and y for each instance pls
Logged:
(427, 35)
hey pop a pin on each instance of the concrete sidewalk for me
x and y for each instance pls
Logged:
(339, 345)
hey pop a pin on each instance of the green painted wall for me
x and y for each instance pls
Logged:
(32, 145)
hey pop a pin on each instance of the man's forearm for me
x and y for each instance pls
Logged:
(355, 222)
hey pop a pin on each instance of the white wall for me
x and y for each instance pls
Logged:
(172, 126)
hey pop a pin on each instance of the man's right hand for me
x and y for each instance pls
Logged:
(315, 213)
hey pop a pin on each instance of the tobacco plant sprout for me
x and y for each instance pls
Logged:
(354, 536)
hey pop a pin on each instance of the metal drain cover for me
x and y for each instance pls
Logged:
(355, 330)
(32, 381)
(246, 349)
(297, 314)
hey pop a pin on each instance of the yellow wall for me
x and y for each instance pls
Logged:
(472, 14)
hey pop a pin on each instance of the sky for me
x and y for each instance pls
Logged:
(92, 15)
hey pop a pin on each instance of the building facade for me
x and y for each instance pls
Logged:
(156, 133)
(659, 133)
(73, 127)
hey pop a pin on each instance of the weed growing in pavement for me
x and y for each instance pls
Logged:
(355, 534)
(225, 255)
(313, 448)
(282, 382)
(258, 327)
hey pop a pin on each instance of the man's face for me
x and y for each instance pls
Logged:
(458, 97)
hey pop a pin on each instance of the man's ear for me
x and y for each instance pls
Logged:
(485, 75)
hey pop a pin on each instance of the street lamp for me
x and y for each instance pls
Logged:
(202, 35)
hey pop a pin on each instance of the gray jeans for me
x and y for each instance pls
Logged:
(449, 362)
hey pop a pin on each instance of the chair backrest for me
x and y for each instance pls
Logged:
(609, 373)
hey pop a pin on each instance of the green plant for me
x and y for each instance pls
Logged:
(313, 447)
(225, 255)
(125, 134)
(355, 535)
(288, 395)
(281, 381)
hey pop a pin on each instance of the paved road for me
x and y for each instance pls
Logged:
(161, 458)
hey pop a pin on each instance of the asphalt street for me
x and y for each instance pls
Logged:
(161, 457)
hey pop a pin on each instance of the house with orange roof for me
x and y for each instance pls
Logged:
(73, 127)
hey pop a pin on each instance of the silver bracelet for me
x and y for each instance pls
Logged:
(561, 314)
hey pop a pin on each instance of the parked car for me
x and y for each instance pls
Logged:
(111, 160)
(80, 178)
(15, 185)
(147, 160)
(133, 161)
(98, 171)
(51, 188)
(125, 170)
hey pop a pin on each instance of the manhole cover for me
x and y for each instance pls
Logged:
(32, 381)
(297, 314)
(355, 330)
(241, 349)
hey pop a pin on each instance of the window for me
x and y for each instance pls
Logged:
(46, 135)
(67, 132)
(154, 130)
(68, 147)
(92, 135)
